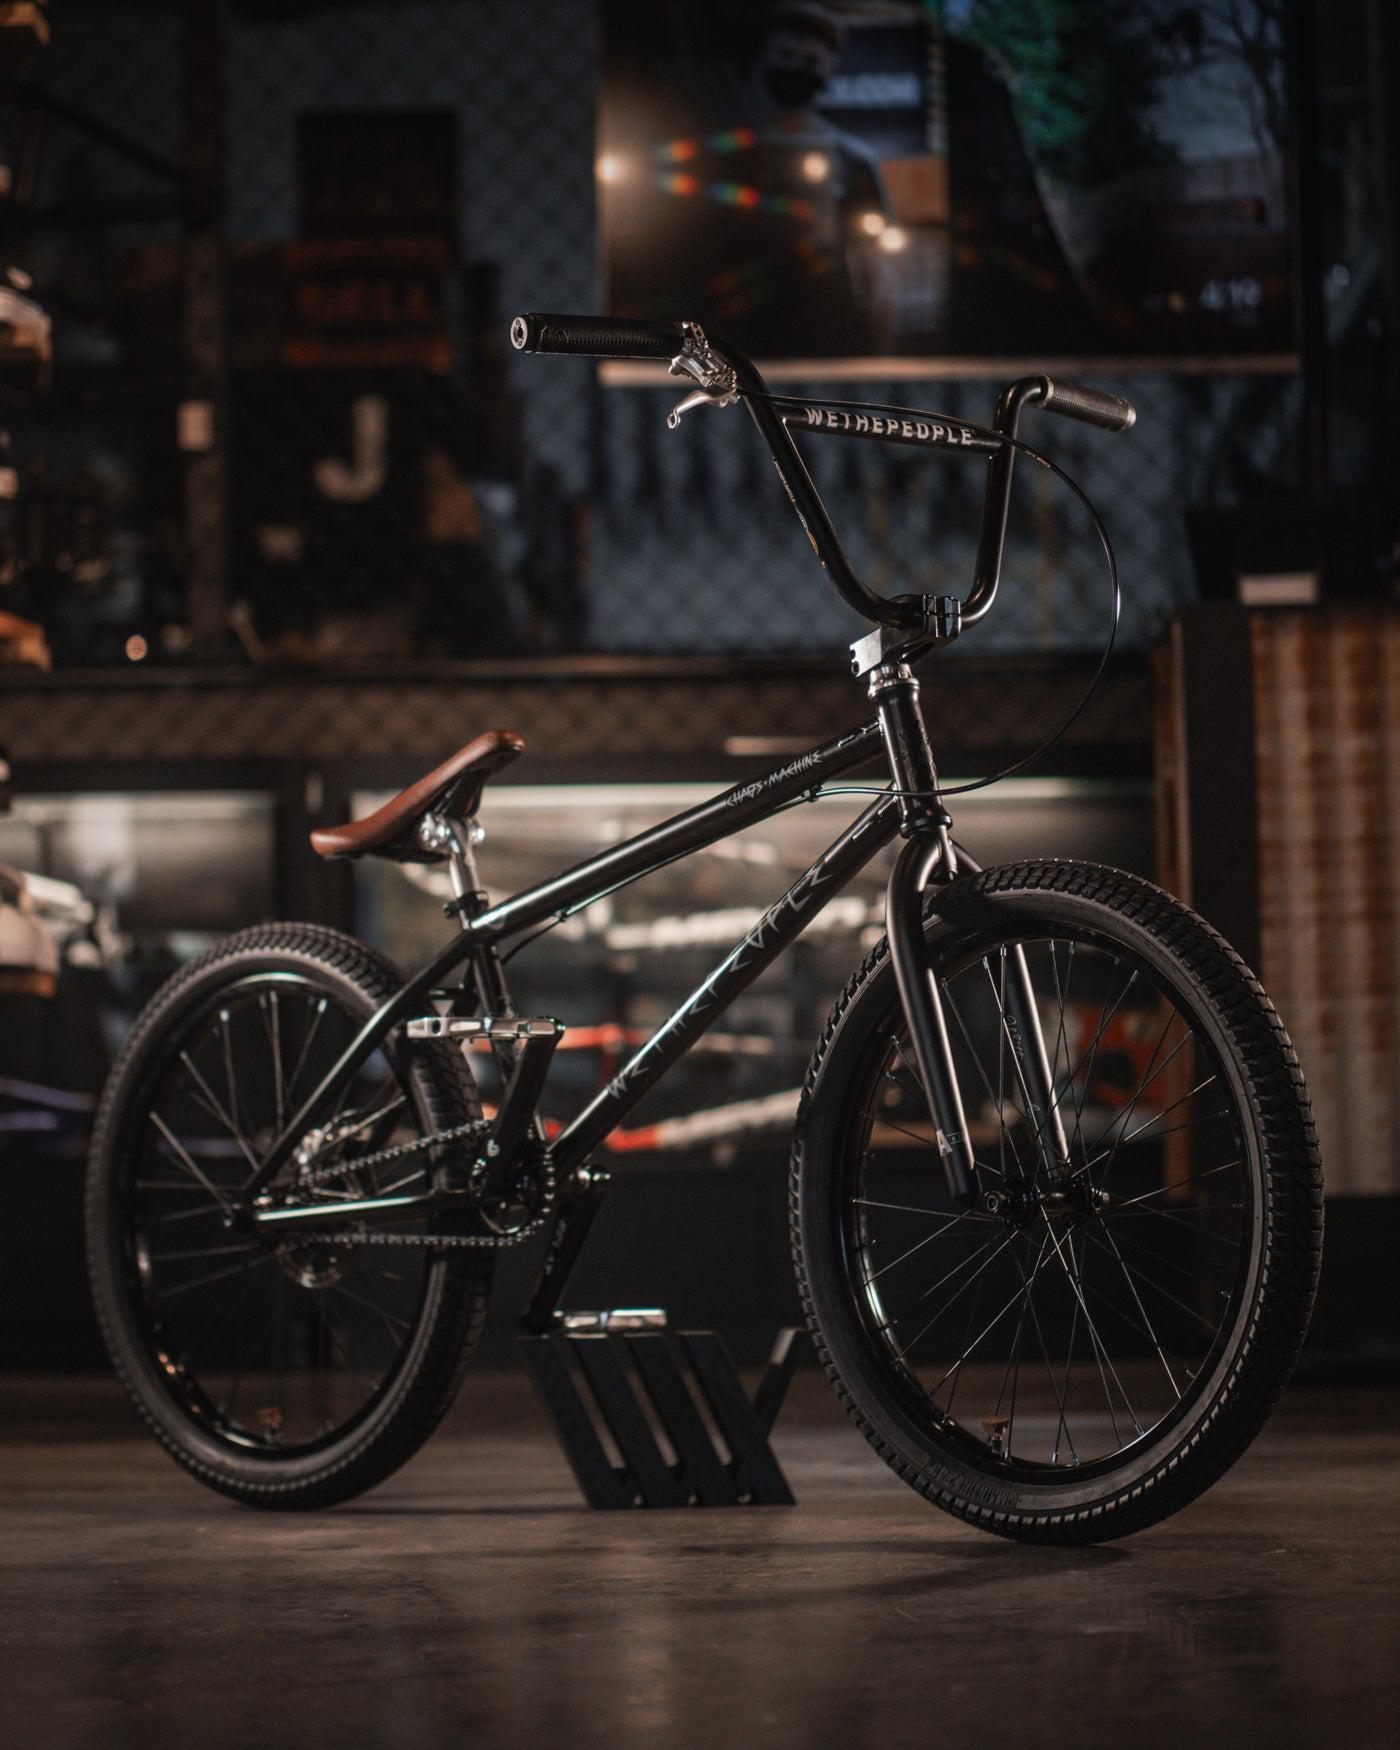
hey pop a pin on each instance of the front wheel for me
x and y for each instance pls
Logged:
(1093, 1342)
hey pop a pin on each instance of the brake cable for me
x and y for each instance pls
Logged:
(1009, 771)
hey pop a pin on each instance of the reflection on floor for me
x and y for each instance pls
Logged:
(472, 1600)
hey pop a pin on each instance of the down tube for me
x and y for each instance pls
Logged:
(779, 926)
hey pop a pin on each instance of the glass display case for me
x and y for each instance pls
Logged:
(161, 875)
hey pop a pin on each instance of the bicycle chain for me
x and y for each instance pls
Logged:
(435, 1242)
(319, 1176)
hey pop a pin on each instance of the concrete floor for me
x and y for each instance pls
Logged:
(473, 1600)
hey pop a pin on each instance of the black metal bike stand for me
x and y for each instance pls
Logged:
(665, 1363)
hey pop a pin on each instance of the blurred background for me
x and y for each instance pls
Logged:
(283, 521)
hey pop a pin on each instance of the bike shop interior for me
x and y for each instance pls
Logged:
(285, 519)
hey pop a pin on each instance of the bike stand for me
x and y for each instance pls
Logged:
(600, 1345)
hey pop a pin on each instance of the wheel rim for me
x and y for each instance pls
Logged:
(1055, 1330)
(278, 1347)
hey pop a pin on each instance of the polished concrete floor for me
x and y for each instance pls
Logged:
(472, 1600)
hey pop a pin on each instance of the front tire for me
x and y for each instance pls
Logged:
(1094, 1345)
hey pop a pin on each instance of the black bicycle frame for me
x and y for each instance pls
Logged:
(484, 931)
(906, 628)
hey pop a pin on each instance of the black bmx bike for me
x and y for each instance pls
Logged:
(1057, 1311)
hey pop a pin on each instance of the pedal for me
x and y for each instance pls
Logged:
(618, 1318)
(499, 1029)
(532, 1041)
(643, 1383)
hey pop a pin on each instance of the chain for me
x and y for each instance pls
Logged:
(477, 1128)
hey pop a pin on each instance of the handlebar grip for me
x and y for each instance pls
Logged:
(1093, 406)
(601, 337)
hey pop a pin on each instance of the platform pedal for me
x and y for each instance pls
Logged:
(529, 1043)
(690, 1392)
(499, 1029)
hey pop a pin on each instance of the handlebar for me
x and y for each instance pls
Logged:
(599, 337)
(724, 374)
(1093, 406)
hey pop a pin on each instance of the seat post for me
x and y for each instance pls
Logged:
(458, 839)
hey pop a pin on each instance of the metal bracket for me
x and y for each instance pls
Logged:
(942, 624)
(744, 1473)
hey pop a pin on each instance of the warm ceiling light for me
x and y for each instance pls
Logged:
(893, 239)
(816, 166)
(610, 168)
(136, 648)
(872, 223)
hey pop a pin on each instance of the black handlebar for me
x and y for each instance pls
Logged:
(1093, 406)
(619, 337)
(599, 337)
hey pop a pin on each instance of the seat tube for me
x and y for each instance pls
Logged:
(927, 853)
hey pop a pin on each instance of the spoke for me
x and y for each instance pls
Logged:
(272, 1022)
(1069, 1368)
(1157, 1258)
(187, 1161)
(924, 1142)
(211, 1104)
(265, 1333)
(1005, 1038)
(1022, 1290)
(1147, 1123)
(216, 1276)
(1006, 1136)
(311, 1031)
(958, 1292)
(230, 1081)
(1092, 1048)
(371, 1119)
(390, 1319)
(1123, 1318)
(202, 1252)
(204, 1209)
(1192, 1179)
(916, 1247)
(216, 1321)
(1124, 1117)
(1137, 1302)
(1061, 1034)
(1013, 1360)
(1190, 1226)
(1090, 1326)
(1166, 1294)
(908, 1208)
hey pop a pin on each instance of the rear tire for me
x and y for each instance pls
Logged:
(976, 1468)
(398, 1337)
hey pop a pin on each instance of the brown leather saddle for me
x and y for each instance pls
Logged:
(452, 789)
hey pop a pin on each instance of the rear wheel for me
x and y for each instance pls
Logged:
(1098, 1338)
(282, 1370)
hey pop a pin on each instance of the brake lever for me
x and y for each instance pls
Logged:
(698, 398)
(697, 359)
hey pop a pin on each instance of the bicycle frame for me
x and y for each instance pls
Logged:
(906, 628)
